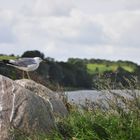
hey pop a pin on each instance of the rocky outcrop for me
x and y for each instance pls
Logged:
(48, 95)
(38, 89)
(22, 109)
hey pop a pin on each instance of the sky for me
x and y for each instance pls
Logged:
(105, 29)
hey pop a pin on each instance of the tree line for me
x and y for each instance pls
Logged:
(74, 72)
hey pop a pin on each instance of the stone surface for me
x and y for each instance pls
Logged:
(48, 95)
(22, 109)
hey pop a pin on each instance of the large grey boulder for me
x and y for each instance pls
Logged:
(20, 108)
(48, 95)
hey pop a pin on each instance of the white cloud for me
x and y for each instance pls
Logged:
(43, 8)
(63, 29)
(122, 27)
(75, 29)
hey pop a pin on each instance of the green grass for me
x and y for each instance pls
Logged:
(128, 68)
(84, 125)
(98, 126)
(7, 57)
(95, 68)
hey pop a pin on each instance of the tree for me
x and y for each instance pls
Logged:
(34, 53)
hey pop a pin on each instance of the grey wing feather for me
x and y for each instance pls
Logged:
(23, 62)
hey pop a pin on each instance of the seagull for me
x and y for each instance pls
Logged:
(25, 64)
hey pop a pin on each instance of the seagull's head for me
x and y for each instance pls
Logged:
(38, 59)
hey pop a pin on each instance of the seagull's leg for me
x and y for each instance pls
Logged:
(23, 75)
(28, 75)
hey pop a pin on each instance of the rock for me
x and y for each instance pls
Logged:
(22, 109)
(53, 98)
(38, 89)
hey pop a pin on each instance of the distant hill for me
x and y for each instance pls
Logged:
(118, 71)
(76, 73)
(100, 66)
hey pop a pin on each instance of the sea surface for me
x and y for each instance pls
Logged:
(80, 96)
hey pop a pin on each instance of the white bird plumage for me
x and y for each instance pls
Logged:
(25, 64)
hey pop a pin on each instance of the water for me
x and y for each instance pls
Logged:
(80, 96)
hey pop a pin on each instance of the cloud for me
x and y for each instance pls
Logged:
(6, 32)
(62, 29)
(132, 5)
(121, 27)
(75, 29)
(43, 8)
(103, 52)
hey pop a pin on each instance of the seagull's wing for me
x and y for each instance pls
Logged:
(23, 62)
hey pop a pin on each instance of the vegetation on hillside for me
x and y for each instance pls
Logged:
(7, 57)
(75, 73)
(34, 53)
(94, 68)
